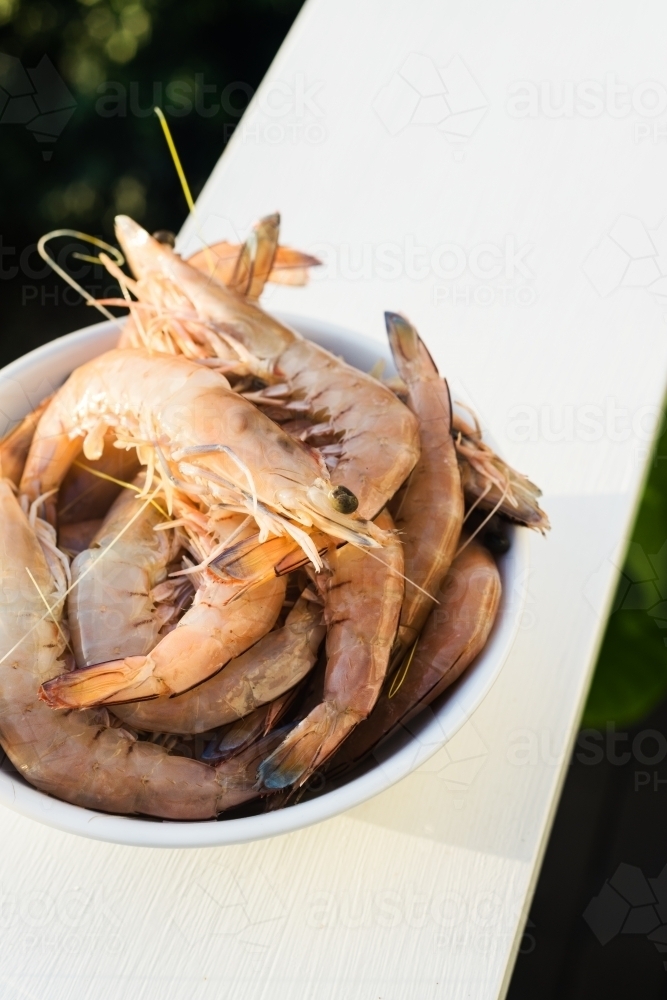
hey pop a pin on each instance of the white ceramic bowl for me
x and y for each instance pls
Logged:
(28, 380)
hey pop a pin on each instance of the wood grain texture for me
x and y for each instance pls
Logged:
(420, 893)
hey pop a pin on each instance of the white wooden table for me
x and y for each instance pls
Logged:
(489, 224)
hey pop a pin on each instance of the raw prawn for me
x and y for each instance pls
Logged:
(77, 756)
(455, 633)
(215, 629)
(203, 436)
(120, 601)
(265, 672)
(362, 604)
(428, 511)
(377, 433)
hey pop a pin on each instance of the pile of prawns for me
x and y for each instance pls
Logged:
(193, 515)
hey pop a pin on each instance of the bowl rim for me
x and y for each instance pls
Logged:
(464, 697)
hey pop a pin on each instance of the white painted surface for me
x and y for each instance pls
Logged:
(421, 892)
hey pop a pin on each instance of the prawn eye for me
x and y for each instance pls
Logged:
(344, 500)
(165, 236)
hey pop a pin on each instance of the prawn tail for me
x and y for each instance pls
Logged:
(495, 486)
(255, 261)
(408, 349)
(306, 747)
(240, 736)
(234, 739)
(237, 776)
(118, 681)
(527, 510)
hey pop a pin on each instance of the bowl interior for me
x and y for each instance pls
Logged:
(27, 381)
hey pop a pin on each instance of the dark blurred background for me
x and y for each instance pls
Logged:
(79, 143)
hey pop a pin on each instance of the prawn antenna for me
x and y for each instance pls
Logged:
(484, 522)
(111, 479)
(184, 183)
(397, 573)
(176, 158)
(399, 678)
(43, 253)
(50, 610)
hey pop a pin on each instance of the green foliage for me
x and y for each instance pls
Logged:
(631, 673)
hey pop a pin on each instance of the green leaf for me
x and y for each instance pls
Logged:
(631, 673)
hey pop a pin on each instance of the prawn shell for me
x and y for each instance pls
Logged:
(429, 509)
(362, 604)
(274, 665)
(110, 609)
(15, 445)
(456, 632)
